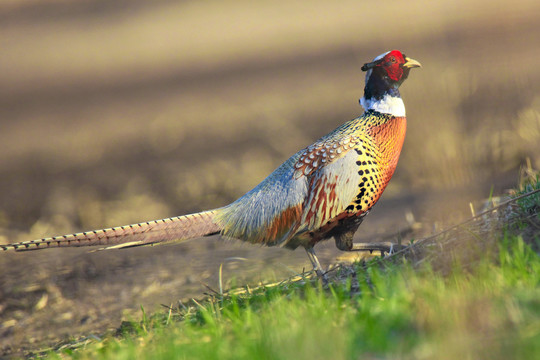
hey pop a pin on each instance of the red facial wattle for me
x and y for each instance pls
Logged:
(391, 63)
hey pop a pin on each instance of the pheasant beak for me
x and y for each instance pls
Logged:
(411, 63)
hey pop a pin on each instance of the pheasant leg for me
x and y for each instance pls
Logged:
(316, 265)
(344, 242)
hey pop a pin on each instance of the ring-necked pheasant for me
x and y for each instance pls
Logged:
(322, 191)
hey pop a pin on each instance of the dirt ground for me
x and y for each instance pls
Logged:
(115, 113)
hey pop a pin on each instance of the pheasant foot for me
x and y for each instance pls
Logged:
(321, 274)
(384, 247)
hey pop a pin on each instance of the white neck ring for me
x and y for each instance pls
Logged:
(387, 105)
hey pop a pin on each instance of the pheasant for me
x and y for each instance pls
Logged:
(323, 191)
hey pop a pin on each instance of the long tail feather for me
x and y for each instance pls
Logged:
(146, 233)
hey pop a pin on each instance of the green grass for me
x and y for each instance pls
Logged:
(392, 312)
(374, 310)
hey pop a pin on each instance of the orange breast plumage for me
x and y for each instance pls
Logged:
(377, 161)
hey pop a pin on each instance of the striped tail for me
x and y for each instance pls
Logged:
(173, 229)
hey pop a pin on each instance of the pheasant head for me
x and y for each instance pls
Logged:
(384, 75)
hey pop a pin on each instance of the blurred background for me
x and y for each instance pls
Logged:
(116, 112)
